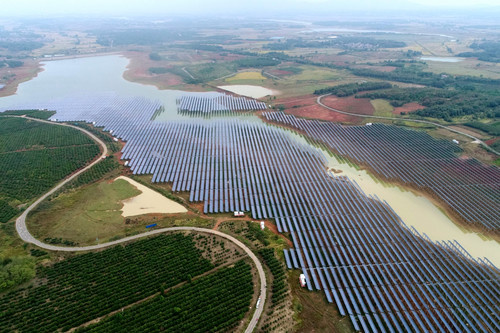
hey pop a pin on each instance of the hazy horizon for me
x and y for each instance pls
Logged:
(265, 8)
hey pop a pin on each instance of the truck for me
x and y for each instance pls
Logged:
(302, 279)
(258, 303)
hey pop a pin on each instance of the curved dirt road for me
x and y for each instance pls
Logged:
(318, 101)
(25, 235)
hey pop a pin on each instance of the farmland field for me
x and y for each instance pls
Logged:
(34, 157)
(95, 284)
(216, 302)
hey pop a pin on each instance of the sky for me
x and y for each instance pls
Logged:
(242, 7)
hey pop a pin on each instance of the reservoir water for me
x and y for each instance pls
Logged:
(442, 59)
(97, 75)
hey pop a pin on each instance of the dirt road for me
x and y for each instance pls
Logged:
(25, 235)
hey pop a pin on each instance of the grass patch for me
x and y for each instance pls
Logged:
(313, 312)
(84, 215)
(382, 108)
(291, 69)
(243, 76)
(311, 73)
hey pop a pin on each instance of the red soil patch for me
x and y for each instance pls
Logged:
(492, 141)
(307, 107)
(408, 107)
(349, 104)
(271, 226)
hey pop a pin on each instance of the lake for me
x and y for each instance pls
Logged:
(97, 75)
(442, 59)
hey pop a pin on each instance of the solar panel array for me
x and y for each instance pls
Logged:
(383, 275)
(469, 187)
(200, 104)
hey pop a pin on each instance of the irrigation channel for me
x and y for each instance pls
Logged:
(381, 273)
(26, 236)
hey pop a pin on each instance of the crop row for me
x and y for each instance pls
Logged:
(279, 286)
(212, 303)
(39, 114)
(96, 172)
(34, 156)
(28, 174)
(6, 211)
(21, 134)
(87, 286)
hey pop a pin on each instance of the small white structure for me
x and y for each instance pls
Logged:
(104, 157)
(262, 225)
(126, 163)
(238, 214)
(455, 141)
(369, 124)
(302, 279)
(115, 139)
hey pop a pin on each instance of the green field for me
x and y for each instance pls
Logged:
(217, 302)
(88, 215)
(34, 156)
(74, 291)
(382, 108)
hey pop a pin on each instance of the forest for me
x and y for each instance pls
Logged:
(442, 103)
(350, 89)
(485, 51)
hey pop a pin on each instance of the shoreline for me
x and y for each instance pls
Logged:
(25, 73)
(423, 192)
(33, 67)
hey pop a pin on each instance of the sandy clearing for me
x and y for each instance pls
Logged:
(148, 202)
(249, 90)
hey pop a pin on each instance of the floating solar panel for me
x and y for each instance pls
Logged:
(218, 104)
(469, 187)
(383, 275)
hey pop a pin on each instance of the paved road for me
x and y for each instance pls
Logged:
(25, 235)
(318, 100)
